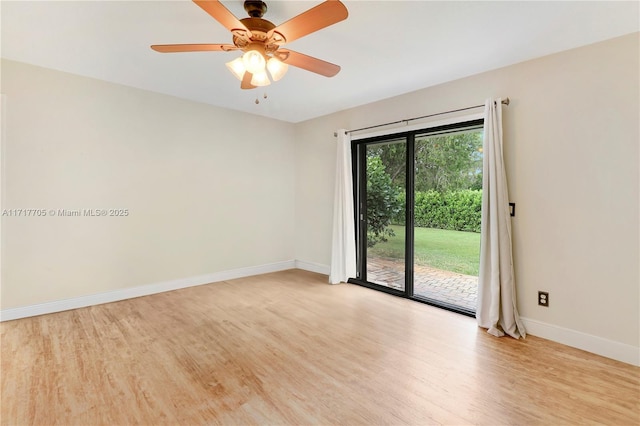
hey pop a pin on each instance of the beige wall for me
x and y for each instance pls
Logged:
(571, 150)
(207, 189)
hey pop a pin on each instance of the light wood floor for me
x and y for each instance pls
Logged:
(286, 348)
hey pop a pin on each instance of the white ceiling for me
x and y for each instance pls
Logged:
(385, 48)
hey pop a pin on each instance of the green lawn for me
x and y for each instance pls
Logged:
(454, 251)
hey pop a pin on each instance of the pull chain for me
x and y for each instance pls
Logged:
(264, 96)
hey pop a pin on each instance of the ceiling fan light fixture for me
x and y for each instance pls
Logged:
(260, 79)
(277, 68)
(253, 61)
(237, 68)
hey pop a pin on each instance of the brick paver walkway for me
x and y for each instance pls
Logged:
(443, 286)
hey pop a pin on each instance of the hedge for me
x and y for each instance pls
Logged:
(456, 211)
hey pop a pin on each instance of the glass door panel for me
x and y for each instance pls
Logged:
(385, 212)
(447, 213)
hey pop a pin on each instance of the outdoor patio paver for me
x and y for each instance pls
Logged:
(444, 286)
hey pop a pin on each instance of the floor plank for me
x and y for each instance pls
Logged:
(287, 348)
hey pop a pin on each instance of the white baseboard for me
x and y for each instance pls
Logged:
(313, 267)
(129, 293)
(587, 342)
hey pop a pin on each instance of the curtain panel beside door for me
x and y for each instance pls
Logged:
(343, 246)
(497, 310)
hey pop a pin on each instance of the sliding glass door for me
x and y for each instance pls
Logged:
(419, 197)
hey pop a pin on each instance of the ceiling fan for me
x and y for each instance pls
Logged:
(261, 41)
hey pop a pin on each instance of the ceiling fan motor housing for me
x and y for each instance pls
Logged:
(258, 28)
(258, 24)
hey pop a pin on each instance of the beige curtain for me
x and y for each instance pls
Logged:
(343, 248)
(497, 309)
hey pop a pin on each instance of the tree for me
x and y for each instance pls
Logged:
(394, 158)
(382, 201)
(443, 163)
(449, 162)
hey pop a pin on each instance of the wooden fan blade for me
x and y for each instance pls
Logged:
(221, 14)
(173, 48)
(308, 63)
(246, 81)
(314, 19)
